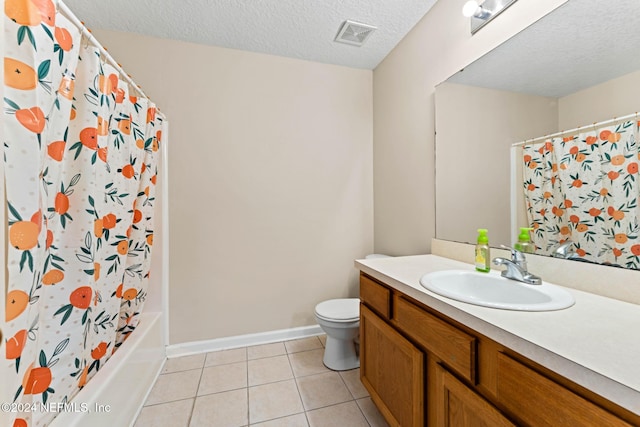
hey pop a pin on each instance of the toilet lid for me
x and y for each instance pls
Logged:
(339, 309)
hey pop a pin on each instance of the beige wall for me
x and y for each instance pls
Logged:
(475, 129)
(615, 98)
(270, 163)
(403, 93)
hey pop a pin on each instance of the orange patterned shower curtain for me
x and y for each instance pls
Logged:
(81, 159)
(584, 188)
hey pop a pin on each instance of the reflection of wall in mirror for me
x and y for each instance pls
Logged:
(518, 204)
(475, 128)
(614, 98)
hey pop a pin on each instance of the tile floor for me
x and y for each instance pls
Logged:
(283, 384)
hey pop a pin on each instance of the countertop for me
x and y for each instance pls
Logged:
(594, 343)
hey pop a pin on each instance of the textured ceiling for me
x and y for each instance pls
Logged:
(580, 44)
(302, 29)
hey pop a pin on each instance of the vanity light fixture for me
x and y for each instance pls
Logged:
(473, 8)
(482, 12)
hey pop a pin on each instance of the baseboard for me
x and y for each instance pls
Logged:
(197, 347)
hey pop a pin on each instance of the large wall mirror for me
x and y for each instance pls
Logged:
(577, 66)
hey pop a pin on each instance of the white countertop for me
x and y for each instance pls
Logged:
(594, 343)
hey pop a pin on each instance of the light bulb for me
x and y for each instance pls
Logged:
(470, 8)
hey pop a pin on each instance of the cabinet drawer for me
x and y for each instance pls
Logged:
(376, 296)
(538, 401)
(455, 348)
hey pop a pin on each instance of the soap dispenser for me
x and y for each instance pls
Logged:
(524, 243)
(482, 251)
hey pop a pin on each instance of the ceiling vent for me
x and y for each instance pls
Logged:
(354, 33)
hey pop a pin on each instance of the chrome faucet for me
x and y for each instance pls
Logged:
(516, 268)
(565, 250)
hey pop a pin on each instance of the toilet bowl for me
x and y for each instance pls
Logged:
(340, 320)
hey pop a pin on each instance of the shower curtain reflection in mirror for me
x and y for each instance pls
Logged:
(583, 188)
(81, 158)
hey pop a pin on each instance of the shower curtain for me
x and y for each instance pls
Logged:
(81, 160)
(584, 189)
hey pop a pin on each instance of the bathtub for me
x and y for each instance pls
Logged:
(115, 395)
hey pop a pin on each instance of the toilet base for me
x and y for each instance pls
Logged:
(340, 355)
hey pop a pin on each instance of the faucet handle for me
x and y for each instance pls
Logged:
(517, 256)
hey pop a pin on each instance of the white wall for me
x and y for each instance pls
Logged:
(475, 129)
(270, 163)
(403, 93)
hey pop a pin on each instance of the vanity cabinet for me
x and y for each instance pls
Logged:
(422, 368)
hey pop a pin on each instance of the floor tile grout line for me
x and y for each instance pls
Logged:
(181, 370)
(266, 357)
(295, 380)
(246, 349)
(274, 381)
(353, 398)
(363, 414)
(279, 418)
(171, 400)
(308, 349)
(225, 363)
(223, 391)
(313, 373)
(168, 401)
(193, 405)
(341, 403)
(346, 385)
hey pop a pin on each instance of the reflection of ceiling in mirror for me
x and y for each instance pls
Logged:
(580, 44)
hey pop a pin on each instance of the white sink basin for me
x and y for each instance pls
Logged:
(493, 290)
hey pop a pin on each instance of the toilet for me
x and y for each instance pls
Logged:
(340, 320)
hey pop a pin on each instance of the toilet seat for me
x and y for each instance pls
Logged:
(339, 310)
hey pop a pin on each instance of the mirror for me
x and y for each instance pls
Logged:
(576, 66)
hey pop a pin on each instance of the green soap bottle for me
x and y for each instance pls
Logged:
(482, 251)
(524, 243)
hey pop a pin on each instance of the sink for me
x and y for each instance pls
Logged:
(493, 290)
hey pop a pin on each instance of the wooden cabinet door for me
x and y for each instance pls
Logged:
(538, 401)
(392, 370)
(459, 406)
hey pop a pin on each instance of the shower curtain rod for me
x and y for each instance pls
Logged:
(64, 9)
(553, 135)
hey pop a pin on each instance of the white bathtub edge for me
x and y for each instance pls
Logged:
(144, 354)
